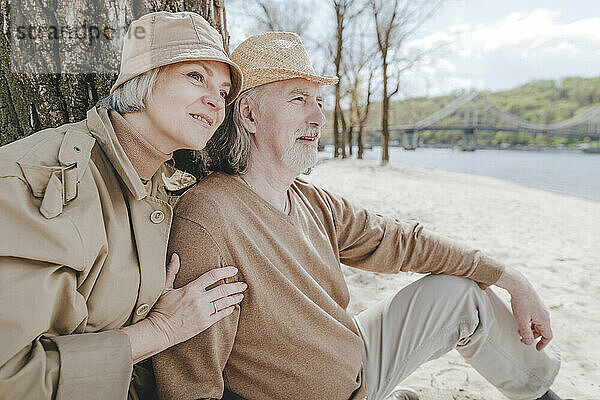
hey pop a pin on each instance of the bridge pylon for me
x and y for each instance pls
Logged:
(469, 140)
(410, 139)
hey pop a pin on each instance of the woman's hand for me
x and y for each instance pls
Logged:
(180, 314)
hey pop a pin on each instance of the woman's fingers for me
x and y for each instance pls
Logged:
(219, 315)
(227, 302)
(213, 276)
(172, 270)
(225, 290)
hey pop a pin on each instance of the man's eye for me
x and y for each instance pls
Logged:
(299, 98)
(196, 76)
(320, 105)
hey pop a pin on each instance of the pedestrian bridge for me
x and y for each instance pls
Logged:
(474, 111)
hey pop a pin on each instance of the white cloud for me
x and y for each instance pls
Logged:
(542, 43)
(520, 47)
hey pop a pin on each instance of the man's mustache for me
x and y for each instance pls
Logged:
(309, 132)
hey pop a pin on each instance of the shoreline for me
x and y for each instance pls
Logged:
(520, 148)
(551, 237)
(504, 146)
(563, 188)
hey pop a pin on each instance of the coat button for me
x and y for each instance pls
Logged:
(157, 217)
(143, 309)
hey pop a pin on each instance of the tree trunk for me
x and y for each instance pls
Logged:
(336, 130)
(350, 131)
(41, 97)
(343, 133)
(361, 146)
(385, 134)
(338, 137)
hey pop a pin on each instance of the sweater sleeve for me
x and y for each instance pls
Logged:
(194, 369)
(40, 308)
(377, 243)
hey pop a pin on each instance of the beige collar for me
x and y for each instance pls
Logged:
(100, 125)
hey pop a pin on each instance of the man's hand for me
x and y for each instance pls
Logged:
(532, 316)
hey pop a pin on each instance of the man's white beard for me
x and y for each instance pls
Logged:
(301, 157)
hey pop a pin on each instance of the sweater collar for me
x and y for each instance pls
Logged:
(144, 156)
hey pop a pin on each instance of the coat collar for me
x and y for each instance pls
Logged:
(102, 130)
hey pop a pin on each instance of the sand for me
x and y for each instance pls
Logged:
(553, 239)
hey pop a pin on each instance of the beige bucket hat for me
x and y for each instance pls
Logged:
(275, 56)
(163, 38)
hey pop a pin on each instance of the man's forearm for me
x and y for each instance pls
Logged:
(513, 281)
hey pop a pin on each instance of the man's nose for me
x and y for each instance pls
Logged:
(316, 118)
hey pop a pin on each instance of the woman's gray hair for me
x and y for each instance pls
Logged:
(229, 148)
(133, 95)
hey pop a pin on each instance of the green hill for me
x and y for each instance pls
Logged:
(544, 101)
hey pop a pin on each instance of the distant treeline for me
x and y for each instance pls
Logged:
(545, 102)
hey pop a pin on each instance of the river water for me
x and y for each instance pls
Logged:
(572, 173)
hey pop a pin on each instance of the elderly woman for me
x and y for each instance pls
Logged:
(86, 210)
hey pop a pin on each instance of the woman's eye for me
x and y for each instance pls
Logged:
(299, 98)
(224, 94)
(196, 76)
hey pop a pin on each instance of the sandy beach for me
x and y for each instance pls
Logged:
(553, 239)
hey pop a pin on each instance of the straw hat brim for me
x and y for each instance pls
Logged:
(261, 76)
(198, 54)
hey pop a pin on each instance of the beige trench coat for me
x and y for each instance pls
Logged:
(82, 253)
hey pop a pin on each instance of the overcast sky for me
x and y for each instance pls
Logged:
(490, 44)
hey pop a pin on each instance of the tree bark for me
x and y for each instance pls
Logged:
(42, 98)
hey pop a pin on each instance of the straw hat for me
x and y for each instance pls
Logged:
(163, 38)
(275, 56)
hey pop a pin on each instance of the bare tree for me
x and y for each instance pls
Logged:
(359, 73)
(361, 111)
(277, 15)
(395, 22)
(345, 12)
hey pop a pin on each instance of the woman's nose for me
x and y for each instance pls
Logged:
(216, 102)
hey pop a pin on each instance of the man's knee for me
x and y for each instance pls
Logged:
(449, 286)
(439, 294)
(451, 298)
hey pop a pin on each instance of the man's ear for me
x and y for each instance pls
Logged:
(247, 115)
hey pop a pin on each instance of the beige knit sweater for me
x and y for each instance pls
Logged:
(291, 338)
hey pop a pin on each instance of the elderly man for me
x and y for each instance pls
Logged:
(292, 338)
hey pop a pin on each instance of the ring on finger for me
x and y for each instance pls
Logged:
(215, 307)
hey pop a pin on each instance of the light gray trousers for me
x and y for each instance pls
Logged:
(438, 313)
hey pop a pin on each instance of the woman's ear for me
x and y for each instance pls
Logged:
(247, 115)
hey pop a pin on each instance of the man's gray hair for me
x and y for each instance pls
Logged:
(229, 148)
(133, 95)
